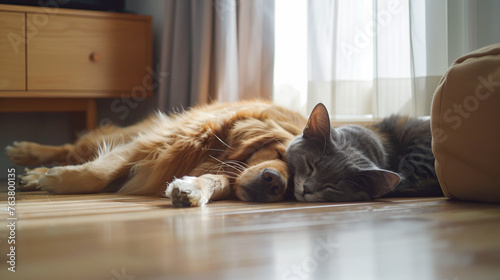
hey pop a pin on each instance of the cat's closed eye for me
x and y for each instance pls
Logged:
(330, 186)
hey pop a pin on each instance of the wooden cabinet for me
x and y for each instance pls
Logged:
(62, 60)
(109, 54)
(12, 56)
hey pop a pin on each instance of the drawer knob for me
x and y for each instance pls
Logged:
(95, 57)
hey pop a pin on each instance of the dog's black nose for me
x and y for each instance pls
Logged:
(272, 181)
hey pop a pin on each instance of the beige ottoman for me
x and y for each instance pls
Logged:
(465, 121)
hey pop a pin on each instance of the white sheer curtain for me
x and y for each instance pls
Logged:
(216, 50)
(363, 58)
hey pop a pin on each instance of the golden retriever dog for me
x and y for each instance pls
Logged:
(212, 152)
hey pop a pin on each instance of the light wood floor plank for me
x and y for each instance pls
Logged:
(110, 236)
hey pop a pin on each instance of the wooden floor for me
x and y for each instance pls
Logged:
(108, 236)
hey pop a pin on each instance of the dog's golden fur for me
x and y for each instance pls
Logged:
(210, 152)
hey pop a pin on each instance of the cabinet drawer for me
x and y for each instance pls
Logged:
(12, 51)
(77, 53)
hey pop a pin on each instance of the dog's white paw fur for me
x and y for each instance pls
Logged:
(186, 192)
(29, 180)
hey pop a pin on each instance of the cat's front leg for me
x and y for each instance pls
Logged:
(198, 191)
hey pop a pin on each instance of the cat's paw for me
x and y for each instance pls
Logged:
(186, 192)
(28, 181)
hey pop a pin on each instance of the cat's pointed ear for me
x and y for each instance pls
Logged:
(381, 181)
(318, 125)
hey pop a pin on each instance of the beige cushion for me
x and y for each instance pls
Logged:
(465, 122)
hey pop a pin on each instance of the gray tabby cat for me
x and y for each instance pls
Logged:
(355, 163)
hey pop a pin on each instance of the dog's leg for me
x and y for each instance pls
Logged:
(89, 177)
(84, 149)
(198, 191)
(27, 153)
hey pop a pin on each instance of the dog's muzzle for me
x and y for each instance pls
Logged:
(269, 186)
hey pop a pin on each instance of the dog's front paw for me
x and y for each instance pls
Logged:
(185, 192)
(29, 180)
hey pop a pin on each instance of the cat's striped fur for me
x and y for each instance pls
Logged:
(407, 143)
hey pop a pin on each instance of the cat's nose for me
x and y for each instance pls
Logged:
(273, 181)
(307, 189)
